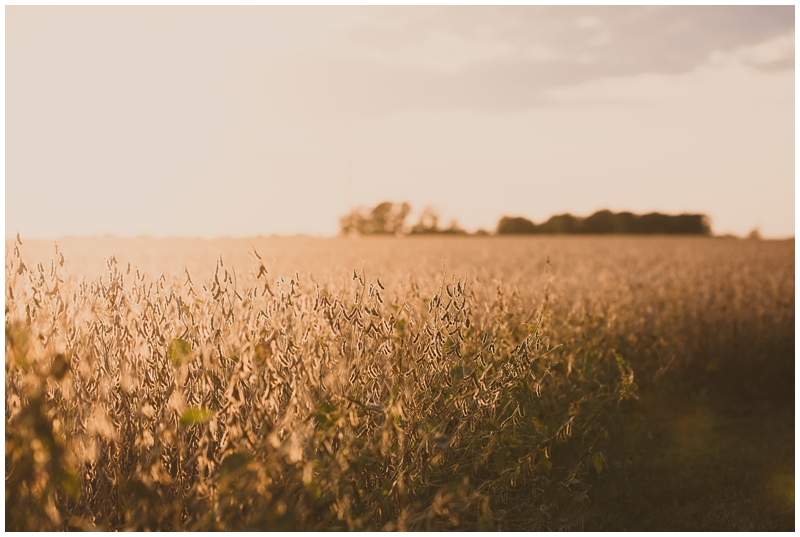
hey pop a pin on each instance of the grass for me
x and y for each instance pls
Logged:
(474, 384)
(703, 462)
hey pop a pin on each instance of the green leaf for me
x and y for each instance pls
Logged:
(195, 415)
(179, 351)
(598, 461)
(71, 485)
(327, 414)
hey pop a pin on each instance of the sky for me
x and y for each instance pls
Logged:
(258, 120)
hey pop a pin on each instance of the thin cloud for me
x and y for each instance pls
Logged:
(504, 59)
(777, 52)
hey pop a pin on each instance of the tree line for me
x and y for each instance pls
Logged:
(389, 218)
(608, 222)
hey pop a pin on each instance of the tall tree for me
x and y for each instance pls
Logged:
(386, 218)
(513, 225)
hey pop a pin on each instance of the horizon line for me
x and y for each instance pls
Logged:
(111, 236)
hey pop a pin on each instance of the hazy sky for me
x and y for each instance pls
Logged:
(215, 121)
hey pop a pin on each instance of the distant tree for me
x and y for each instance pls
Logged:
(626, 222)
(607, 222)
(653, 223)
(512, 225)
(561, 223)
(601, 222)
(686, 224)
(696, 224)
(453, 229)
(428, 222)
(384, 219)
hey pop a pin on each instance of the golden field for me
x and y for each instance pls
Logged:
(365, 384)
